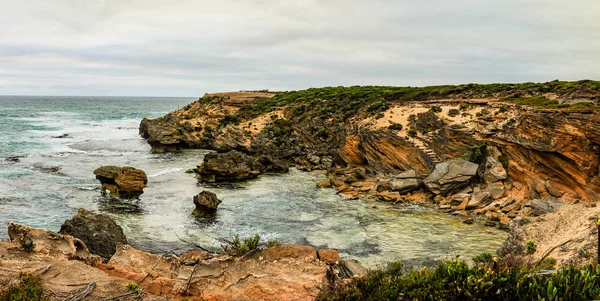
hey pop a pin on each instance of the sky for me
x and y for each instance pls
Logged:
(188, 48)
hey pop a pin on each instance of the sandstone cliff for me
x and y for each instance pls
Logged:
(532, 142)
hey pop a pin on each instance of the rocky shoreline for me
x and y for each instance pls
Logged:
(107, 269)
(474, 151)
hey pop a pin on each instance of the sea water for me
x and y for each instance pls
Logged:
(55, 177)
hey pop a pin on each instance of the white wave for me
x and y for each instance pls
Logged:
(165, 171)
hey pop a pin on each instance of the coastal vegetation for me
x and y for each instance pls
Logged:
(456, 280)
(345, 102)
(29, 288)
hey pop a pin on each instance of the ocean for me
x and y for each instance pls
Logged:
(60, 141)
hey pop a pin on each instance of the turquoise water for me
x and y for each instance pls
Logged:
(55, 178)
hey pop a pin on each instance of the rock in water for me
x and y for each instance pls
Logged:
(122, 182)
(98, 231)
(450, 176)
(206, 203)
(235, 166)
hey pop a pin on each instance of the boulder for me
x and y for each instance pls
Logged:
(270, 164)
(479, 199)
(351, 268)
(552, 190)
(494, 171)
(329, 256)
(450, 176)
(541, 206)
(206, 203)
(402, 183)
(235, 166)
(496, 190)
(122, 182)
(50, 243)
(98, 231)
(232, 166)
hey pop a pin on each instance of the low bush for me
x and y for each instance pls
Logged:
(28, 289)
(456, 280)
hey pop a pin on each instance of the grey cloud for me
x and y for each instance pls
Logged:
(186, 48)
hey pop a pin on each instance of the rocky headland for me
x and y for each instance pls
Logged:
(497, 153)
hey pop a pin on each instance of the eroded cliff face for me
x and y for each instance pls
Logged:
(365, 140)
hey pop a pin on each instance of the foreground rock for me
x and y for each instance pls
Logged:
(235, 166)
(98, 231)
(49, 243)
(206, 203)
(277, 273)
(450, 176)
(122, 182)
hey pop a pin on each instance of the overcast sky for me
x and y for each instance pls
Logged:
(187, 48)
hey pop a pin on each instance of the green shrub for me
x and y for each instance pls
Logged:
(531, 247)
(412, 133)
(456, 280)
(453, 112)
(133, 286)
(273, 243)
(547, 264)
(477, 154)
(28, 289)
(436, 109)
(395, 126)
(485, 257)
(240, 247)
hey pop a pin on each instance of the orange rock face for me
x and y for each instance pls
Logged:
(329, 256)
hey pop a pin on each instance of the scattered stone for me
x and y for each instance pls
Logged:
(552, 190)
(122, 182)
(191, 258)
(206, 203)
(330, 256)
(324, 184)
(496, 190)
(315, 160)
(468, 221)
(450, 176)
(504, 221)
(350, 269)
(541, 206)
(400, 185)
(489, 224)
(479, 199)
(494, 171)
(98, 231)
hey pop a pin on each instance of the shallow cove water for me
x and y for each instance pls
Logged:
(55, 177)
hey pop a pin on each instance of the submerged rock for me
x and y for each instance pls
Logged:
(122, 182)
(98, 231)
(206, 203)
(450, 176)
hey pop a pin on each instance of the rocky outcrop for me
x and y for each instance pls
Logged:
(276, 273)
(524, 149)
(50, 243)
(122, 182)
(98, 231)
(449, 177)
(206, 203)
(235, 166)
